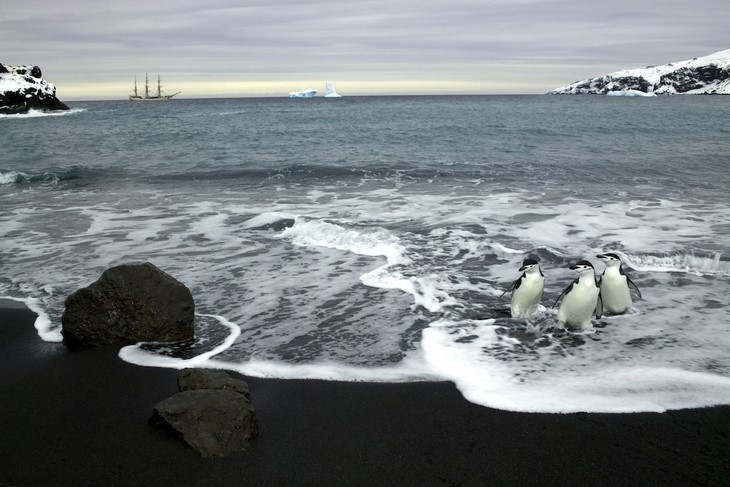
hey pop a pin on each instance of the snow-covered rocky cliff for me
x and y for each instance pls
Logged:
(22, 88)
(707, 75)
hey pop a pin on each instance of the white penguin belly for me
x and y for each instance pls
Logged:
(577, 307)
(526, 298)
(615, 295)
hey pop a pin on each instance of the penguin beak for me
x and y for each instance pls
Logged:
(525, 267)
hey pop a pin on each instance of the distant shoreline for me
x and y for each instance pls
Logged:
(404, 95)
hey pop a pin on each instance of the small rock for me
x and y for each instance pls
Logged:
(213, 422)
(193, 379)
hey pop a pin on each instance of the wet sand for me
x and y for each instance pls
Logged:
(80, 418)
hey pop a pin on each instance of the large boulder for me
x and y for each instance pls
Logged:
(129, 304)
(214, 421)
(22, 88)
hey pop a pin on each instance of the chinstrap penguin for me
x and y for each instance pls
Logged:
(580, 299)
(615, 286)
(527, 290)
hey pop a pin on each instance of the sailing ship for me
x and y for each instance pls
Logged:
(147, 96)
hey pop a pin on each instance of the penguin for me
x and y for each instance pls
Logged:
(580, 299)
(616, 286)
(527, 290)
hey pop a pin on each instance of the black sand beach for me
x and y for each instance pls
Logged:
(80, 418)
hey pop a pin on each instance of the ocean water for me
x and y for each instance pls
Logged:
(370, 238)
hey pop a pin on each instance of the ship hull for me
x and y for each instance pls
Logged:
(152, 98)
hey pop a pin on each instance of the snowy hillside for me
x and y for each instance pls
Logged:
(22, 88)
(707, 75)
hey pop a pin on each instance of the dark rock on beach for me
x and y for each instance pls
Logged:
(212, 413)
(22, 88)
(194, 379)
(129, 304)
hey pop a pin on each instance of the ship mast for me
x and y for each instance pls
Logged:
(147, 95)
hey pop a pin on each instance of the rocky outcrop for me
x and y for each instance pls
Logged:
(22, 88)
(212, 413)
(703, 75)
(129, 304)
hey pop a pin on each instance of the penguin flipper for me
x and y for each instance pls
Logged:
(511, 288)
(566, 291)
(633, 287)
(514, 286)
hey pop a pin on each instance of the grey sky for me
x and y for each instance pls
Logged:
(250, 48)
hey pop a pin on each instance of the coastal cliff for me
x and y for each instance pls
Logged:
(22, 88)
(707, 75)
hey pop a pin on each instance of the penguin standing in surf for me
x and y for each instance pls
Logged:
(616, 286)
(527, 290)
(580, 299)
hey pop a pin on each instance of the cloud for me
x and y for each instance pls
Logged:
(465, 42)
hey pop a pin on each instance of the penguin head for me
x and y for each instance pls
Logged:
(582, 266)
(610, 259)
(529, 264)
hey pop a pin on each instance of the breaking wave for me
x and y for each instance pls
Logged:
(41, 113)
(53, 175)
(689, 263)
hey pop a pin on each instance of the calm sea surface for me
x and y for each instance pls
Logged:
(370, 238)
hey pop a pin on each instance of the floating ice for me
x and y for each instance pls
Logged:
(329, 91)
(303, 94)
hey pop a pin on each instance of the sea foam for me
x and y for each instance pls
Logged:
(10, 177)
(42, 323)
(42, 113)
(372, 240)
(690, 263)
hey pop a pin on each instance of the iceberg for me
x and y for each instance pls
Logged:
(329, 91)
(303, 94)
